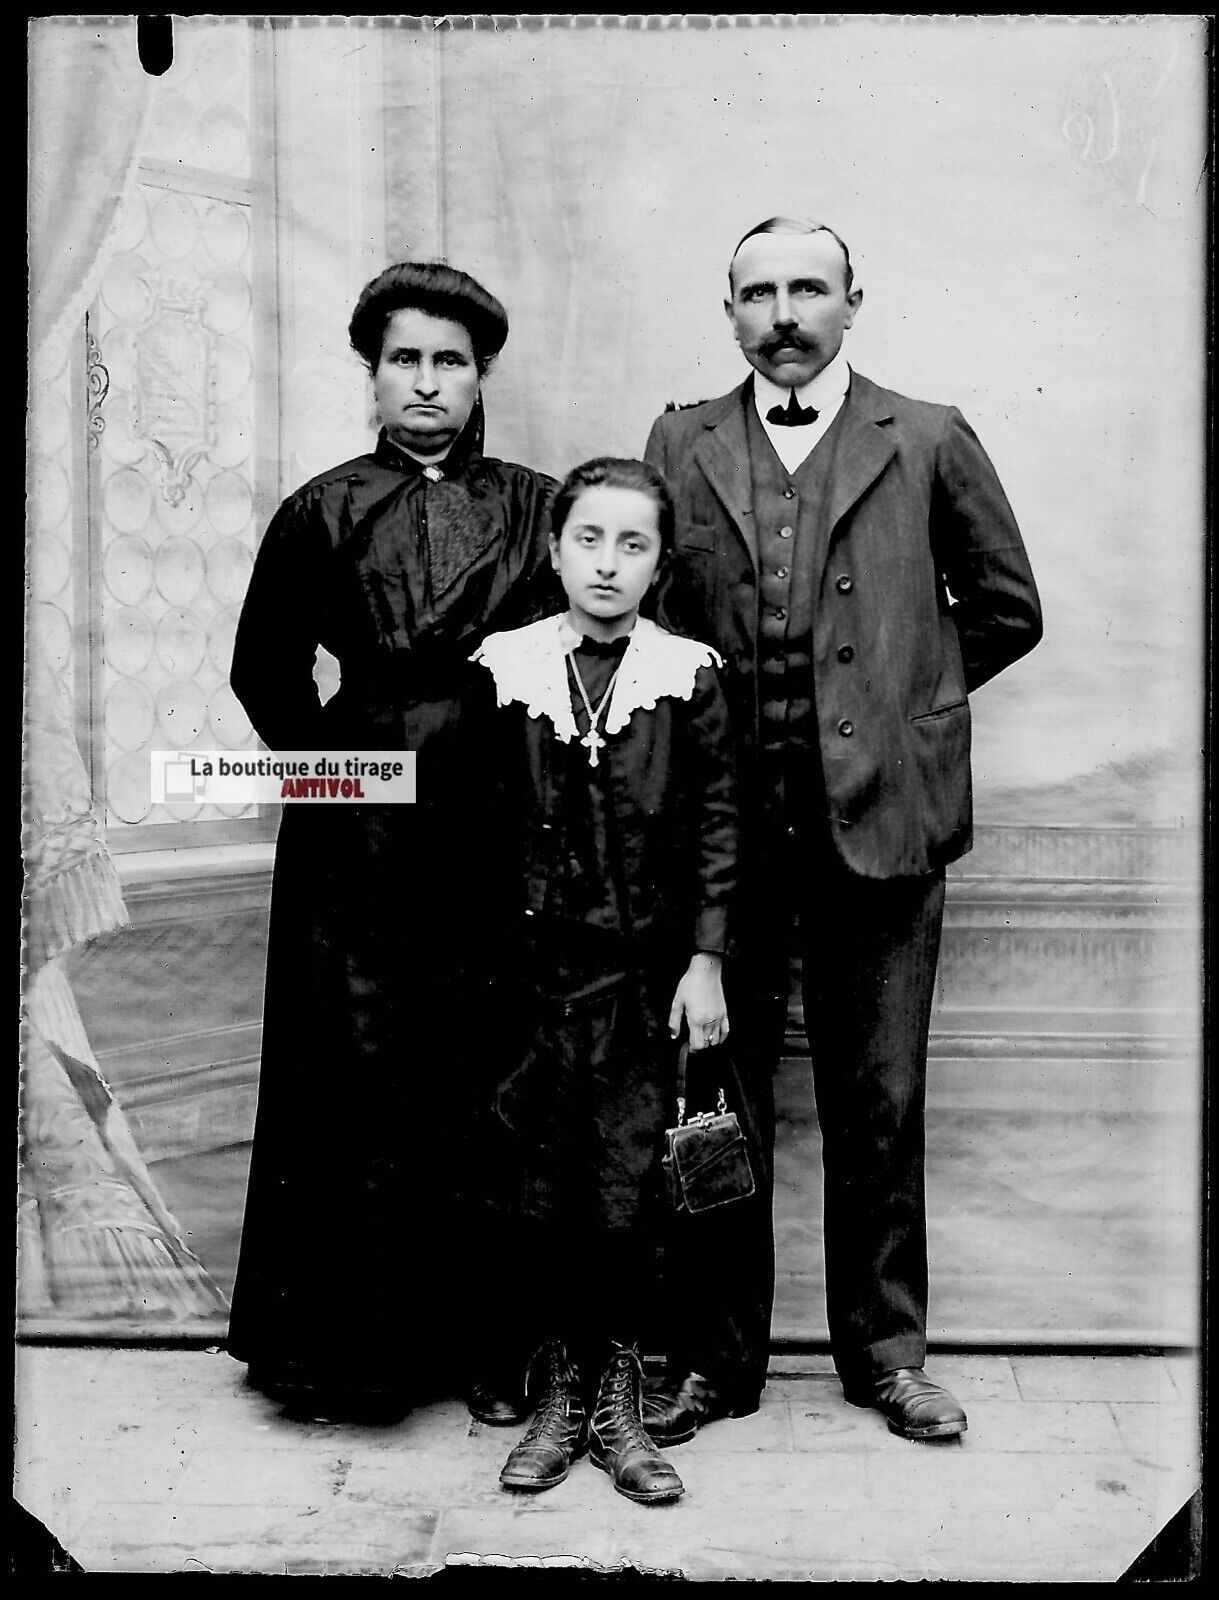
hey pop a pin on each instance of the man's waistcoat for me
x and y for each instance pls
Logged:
(790, 510)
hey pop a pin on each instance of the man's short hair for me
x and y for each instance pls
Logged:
(795, 225)
(440, 291)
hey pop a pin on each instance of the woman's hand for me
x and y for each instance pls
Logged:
(700, 1000)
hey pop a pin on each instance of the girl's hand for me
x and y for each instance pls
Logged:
(699, 999)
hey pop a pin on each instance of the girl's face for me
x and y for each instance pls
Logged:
(606, 555)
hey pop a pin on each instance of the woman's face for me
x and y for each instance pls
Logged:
(426, 382)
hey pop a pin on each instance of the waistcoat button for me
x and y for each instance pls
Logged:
(843, 583)
(846, 728)
(846, 652)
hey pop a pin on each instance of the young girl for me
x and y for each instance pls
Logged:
(617, 817)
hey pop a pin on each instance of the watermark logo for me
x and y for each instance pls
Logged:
(255, 777)
(182, 782)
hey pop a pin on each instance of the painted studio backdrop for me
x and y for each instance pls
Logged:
(1024, 202)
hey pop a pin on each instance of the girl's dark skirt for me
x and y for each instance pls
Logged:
(574, 1130)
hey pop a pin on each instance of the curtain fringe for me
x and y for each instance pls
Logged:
(78, 904)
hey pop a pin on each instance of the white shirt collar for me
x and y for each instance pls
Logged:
(824, 391)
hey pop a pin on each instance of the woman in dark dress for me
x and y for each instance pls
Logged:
(349, 1289)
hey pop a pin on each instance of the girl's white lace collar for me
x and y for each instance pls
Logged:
(529, 665)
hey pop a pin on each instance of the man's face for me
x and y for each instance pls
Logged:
(789, 306)
(426, 382)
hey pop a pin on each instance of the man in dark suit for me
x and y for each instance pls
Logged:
(852, 555)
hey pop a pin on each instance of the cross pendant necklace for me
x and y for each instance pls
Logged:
(592, 740)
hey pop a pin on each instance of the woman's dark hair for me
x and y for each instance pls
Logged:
(441, 291)
(616, 472)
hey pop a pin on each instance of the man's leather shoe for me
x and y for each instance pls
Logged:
(675, 1408)
(915, 1407)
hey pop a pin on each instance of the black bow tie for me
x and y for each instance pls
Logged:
(793, 414)
(607, 649)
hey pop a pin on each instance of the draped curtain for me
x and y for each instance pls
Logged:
(95, 1238)
(88, 100)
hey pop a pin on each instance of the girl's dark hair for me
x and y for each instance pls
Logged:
(441, 291)
(616, 472)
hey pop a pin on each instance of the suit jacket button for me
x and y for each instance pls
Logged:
(846, 652)
(846, 728)
(781, 572)
(789, 493)
(780, 613)
(843, 583)
(786, 533)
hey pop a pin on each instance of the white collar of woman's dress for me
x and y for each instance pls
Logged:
(529, 665)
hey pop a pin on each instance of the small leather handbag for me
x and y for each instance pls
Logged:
(706, 1160)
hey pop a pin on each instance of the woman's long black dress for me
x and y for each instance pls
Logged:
(353, 1260)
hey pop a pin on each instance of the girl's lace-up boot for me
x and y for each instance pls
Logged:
(618, 1441)
(558, 1432)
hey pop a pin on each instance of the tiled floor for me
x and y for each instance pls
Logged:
(163, 1461)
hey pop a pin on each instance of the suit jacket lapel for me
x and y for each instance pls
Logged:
(723, 454)
(864, 448)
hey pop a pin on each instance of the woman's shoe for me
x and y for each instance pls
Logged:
(306, 1395)
(618, 1441)
(499, 1402)
(557, 1434)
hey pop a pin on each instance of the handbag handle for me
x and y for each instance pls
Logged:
(721, 1104)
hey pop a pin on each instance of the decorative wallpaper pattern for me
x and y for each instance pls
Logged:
(172, 513)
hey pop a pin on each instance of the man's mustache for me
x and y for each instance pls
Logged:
(785, 341)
